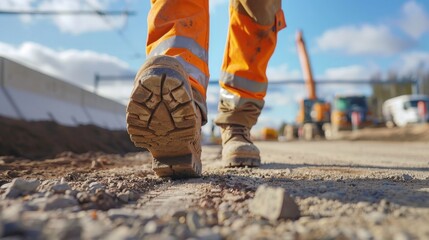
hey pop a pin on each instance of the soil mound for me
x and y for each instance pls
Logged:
(411, 133)
(46, 139)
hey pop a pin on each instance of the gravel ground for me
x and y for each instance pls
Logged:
(344, 190)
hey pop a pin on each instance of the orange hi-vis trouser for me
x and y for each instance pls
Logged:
(180, 28)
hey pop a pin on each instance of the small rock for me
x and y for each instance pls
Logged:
(134, 196)
(402, 236)
(193, 220)
(122, 232)
(224, 206)
(11, 193)
(116, 213)
(19, 187)
(83, 197)
(407, 177)
(364, 234)
(72, 176)
(216, 190)
(211, 218)
(25, 185)
(252, 229)
(37, 203)
(14, 212)
(96, 164)
(152, 227)
(274, 203)
(208, 234)
(11, 173)
(6, 185)
(93, 229)
(48, 194)
(179, 213)
(58, 202)
(238, 224)
(12, 229)
(323, 188)
(376, 217)
(124, 197)
(60, 188)
(181, 231)
(104, 200)
(71, 193)
(63, 229)
(223, 215)
(95, 186)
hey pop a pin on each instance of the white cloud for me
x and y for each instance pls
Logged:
(76, 24)
(352, 72)
(117, 90)
(15, 5)
(75, 66)
(412, 63)
(415, 21)
(82, 24)
(282, 72)
(361, 40)
(278, 99)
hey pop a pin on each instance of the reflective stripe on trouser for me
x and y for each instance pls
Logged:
(179, 28)
(252, 38)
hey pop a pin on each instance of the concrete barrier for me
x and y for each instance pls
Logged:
(31, 95)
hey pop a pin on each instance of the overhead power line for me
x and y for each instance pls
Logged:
(119, 32)
(98, 78)
(68, 12)
(103, 14)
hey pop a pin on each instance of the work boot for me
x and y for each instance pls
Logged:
(163, 118)
(238, 150)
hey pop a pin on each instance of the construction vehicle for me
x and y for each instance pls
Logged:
(406, 109)
(348, 113)
(269, 134)
(313, 112)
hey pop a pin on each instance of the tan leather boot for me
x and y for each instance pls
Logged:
(237, 148)
(162, 117)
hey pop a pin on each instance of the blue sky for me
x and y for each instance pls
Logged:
(345, 39)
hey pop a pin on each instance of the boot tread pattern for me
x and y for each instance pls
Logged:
(161, 116)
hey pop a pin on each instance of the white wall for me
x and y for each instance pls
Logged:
(30, 95)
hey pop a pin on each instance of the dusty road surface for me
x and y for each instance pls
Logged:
(345, 190)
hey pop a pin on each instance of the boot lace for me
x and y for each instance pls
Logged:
(237, 130)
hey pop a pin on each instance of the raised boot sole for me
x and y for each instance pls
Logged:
(161, 117)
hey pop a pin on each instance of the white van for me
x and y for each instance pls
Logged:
(403, 110)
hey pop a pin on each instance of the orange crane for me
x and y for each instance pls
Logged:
(305, 65)
(313, 112)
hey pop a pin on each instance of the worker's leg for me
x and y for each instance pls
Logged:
(251, 42)
(180, 28)
(167, 105)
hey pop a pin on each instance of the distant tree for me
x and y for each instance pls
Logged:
(422, 75)
(394, 88)
(282, 129)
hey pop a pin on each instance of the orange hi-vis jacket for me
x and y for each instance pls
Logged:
(180, 28)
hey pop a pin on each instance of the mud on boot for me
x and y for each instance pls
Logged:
(162, 117)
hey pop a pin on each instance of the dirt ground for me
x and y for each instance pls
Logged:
(344, 189)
